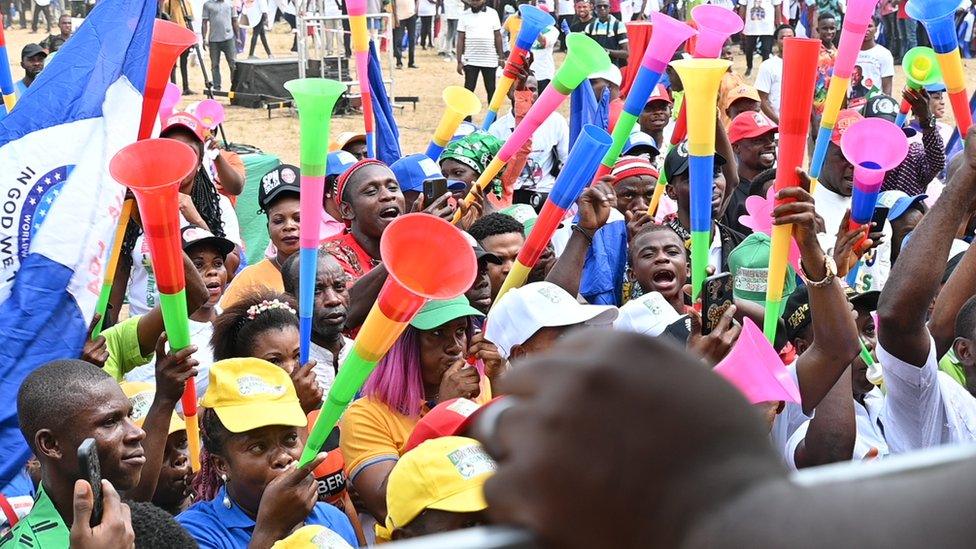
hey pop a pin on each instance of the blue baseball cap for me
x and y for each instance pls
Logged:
(935, 88)
(338, 162)
(411, 171)
(639, 142)
(898, 202)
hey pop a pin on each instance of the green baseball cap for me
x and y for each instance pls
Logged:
(749, 265)
(524, 214)
(439, 312)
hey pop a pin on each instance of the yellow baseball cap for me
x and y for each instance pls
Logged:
(445, 474)
(313, 536)
(141, 396)
(249, 393)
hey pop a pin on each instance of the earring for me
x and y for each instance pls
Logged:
(226, 501)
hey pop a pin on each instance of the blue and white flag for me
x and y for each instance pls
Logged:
(58, 203)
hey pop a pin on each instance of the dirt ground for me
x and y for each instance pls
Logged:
(280, 134)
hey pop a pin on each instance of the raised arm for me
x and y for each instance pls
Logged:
(960, 287)
(835, 341)
(594, 210)
(830, 436)
(914, 280)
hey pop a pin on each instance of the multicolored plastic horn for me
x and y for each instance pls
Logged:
(169, 41)
(585, 57)
(799, 54)
(701, 79)
(921, 69)
(938, 16)
(153, 170)
(755, 369)
(418, 272)
(638, 37)
(581, 164)
(668, 35)
(873, 146)
(715, 25)
(851, 37)
(210, 113)
(315, 99)
(460, 102)
(360, 48)
(6, 79)
(534, 21)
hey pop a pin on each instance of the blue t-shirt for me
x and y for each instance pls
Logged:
(215, 526)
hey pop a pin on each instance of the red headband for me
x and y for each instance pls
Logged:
(631, 167)
(341, 182)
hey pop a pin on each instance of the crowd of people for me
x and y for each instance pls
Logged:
(500, 408)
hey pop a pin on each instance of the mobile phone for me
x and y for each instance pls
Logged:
(879, 217)
(716, 298)
(434, 189)
(91, 471)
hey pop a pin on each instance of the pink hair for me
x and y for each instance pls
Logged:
(397, 380)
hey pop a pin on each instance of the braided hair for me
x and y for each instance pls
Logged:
(215, 435)
(205, 199)
(261, 311)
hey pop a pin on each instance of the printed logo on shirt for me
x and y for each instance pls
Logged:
(471, 461)
(254, 385)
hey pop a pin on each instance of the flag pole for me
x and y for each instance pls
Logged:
(6, 79)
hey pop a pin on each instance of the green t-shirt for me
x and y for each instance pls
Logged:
(122, 341)
(42, 528)
(950, 365)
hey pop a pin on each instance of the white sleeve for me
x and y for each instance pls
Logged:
(887, 64)
(232, 228)
(562, 145)
(798, 436)
(764, 80)
(496, 23)
(914, 411)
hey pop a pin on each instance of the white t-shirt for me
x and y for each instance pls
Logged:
(924, 407)
(549, 142)
(405, 9)
(875, 265)
(330, 8)
(542, 63)
(566, 7)
(479, 37)
(452, 9)
(869, 433)
(324, 370)
(875, 63)
(426, 8)
(200, 333)
(788, 421)
(760, 17)
(770, 78)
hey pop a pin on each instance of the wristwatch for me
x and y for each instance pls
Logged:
(829, 265)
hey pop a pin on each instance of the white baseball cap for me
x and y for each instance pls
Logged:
(522, 312)
(611, 74)
(649, 314)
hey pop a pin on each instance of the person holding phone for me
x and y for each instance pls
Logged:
(250, 423)
(59, 405)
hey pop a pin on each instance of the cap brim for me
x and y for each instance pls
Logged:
(166, 131)
(176, 424)
(438, 317)
(247, 417)
(276, 194)
(758, 131)
(867, 299)
(488, 257)
(223, 245)
(470, 500)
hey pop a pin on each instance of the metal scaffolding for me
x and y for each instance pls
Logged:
(311, 43)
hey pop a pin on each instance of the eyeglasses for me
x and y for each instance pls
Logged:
(603, 6)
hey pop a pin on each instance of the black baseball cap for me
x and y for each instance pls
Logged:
(885, 107)
(482, 254)
(193, 235)
(797, 316)
(30, 50)
(677, 163)
(280, 180)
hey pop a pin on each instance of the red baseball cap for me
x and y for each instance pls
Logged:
(660, 93)
(184, 120)
(750, 124)
(448, 418)
(630, 166)
(845, 119)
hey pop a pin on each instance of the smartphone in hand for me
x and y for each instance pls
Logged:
(716, 298)
(90, 470)
(434, 189)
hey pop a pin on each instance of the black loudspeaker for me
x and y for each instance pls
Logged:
(260, 81)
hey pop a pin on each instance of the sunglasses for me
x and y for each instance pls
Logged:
(603, 6)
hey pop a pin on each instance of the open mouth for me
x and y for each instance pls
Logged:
(664, 280)
(214, 288)
(390, 213)
(768, 156)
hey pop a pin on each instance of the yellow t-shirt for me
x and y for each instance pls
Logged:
(513, 24)
(370, 432)
(261, 275)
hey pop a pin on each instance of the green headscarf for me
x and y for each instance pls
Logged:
(475, 150)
